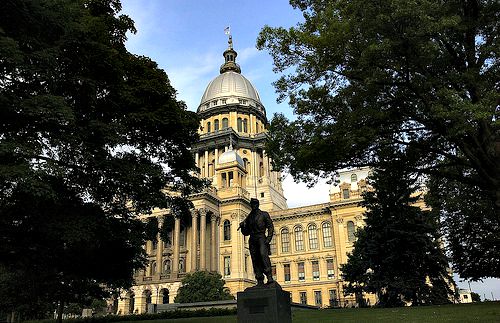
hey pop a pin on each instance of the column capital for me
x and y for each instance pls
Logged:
(194, 212)
(203, 212)
(213, 216)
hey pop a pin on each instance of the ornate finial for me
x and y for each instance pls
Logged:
(230, 142)
(230, 55)
(227, 31)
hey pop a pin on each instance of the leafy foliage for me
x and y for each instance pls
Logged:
(471, 227)
(364, 74)
(90, 135)
(202, 286)
(398, 254)
(166, 229)
(475, 297)
(152, 228)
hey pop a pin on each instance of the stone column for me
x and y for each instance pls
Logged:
(197, 159)
(216, 158)
(176, 245)
(207, 174)
(194, 237)
(213, 242)
(203, 238)
(159, 249)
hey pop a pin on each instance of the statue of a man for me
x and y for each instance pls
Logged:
(255, 225)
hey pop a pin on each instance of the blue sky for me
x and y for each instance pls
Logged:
(186, 38)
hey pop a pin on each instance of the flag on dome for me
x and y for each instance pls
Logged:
(227, 30)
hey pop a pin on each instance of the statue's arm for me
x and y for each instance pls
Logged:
(270, 228)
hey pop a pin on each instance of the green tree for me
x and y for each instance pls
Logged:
(475, 297)
(398, 254)
(202, 286)
(471, 227)
(90, 136)
(423, 73)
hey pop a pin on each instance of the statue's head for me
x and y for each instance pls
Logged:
(254, 204)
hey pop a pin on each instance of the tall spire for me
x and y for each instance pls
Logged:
(229, 55)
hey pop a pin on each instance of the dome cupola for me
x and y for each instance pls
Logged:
(230, 88)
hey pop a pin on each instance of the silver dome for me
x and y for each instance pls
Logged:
(231, 156)
(230, 85)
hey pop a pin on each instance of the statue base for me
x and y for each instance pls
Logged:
(264, 303)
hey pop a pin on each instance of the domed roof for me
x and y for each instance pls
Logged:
(230, 84)
(230, 87)
(231, 156)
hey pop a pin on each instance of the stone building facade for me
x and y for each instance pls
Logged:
(309, 243)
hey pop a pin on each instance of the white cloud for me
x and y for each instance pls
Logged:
(297, 194)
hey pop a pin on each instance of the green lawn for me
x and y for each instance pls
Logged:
(482, 312)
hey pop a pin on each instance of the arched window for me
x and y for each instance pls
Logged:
(272, 245)
(227, 230)
(354, 178)
(240, 125)
(245, 125)
(208, 127)
(225, 123)
(164, 296)
(327, 234)
(216, 125)
(299, 238)
(153, 268)
(313, 236)
(247, 165)
(167, 266)
(350, 231)
(181, 265)
(285, 240)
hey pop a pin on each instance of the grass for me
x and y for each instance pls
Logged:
(480, 312)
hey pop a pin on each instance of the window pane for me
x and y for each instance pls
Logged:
(329, 269)
(302, 274)
(317, 298)
(327, 234)
(273, 245)
(315, 268)
(313, 237)
(227, 230)
(350, 231)
(285, 240)
(303, 298)
(345, 193)
(299, 239)
(286, 269)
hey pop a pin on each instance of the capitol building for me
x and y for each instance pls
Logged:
(310, 243)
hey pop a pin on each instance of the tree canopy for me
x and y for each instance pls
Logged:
(202, 286)
(90, 137)
(363, 74)
(398, 254)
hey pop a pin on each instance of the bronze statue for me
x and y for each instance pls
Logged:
(255, 225)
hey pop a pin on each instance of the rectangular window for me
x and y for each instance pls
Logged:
(227, 266)
(345, 193)
(286, 269)
(317, 298)
(315, 268)
(273, 270)
(303, 298)
(333, 297)
(329, 269)
(302, 274)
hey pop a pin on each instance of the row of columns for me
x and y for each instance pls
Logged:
(202, 213)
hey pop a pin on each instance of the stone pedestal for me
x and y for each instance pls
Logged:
(263, 305)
